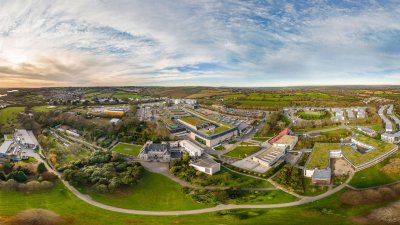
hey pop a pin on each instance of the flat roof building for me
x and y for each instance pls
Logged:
(206, 165)
(286, 142)
(191, 148)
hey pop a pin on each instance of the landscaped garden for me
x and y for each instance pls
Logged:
(243, 151)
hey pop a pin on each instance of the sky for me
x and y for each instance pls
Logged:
(199, 43)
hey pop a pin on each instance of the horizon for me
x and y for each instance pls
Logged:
(244, 44)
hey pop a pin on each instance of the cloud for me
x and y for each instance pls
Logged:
(238, 43)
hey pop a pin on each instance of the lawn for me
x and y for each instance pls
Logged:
(8, 115)
(373, 176)
(312, 190)
(43, 108)
(219, 148)
(320, 155)
(77, 212)
(227, 178)
(241, 152)
(128, 149)
(264, 197)
(153, 192)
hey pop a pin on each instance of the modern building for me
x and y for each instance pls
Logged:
(270, 156)
(388, 123)
(191, 148)
(286, 142)
(9, 152)
(206, 165)
(391, 137)
(367, 130)
(321, 176)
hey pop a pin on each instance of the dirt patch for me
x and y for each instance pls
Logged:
(35, 217)
(340, 167)
(386, 215)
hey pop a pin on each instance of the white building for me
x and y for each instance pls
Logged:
(207, 166)
(191, 148)
(286, 142)
(24, 138)
(270, 156)
(391, 137)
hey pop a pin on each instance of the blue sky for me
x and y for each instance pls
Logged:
(212, 43)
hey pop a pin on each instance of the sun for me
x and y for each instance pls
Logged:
(15, 57)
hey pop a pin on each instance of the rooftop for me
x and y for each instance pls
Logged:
(286, 139)
(194, 121)
(357, 158)
(5, 146)
(320, 155)
(206, 163)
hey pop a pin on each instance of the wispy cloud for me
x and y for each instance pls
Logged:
(238, 43)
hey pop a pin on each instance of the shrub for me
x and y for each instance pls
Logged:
(9, 184)
(48, 176)
(41, 168)
(19, 176)
(2, 176)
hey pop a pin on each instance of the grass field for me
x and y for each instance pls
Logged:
(373, 176)
(76, 212)
(153, 192)
(128, 149)
(264, 197)
(43, 108)
(8, 115)
(241, 152)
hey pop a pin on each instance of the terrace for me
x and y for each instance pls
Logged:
(320, 155)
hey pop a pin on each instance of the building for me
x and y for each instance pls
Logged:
(191, 148)
(391, 137)
(367, 130)
(321, 176)
(286, 142)
(270, 156)
(206, 165)
(388, 123)
(277, 137)
(158, 152)
(25, 138)
(9, 152)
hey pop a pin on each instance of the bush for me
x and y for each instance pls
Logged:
(19, 176)
(48, 176)
(41, 168)
(3, 176)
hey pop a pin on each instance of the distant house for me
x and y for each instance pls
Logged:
(368, 131)
(206, 165)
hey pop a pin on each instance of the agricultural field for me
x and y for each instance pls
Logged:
(8, 116)
(122, 94)
(127, 149)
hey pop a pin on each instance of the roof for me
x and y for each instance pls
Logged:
(322, 174)
(270, 154)
(320, 155)
(194, 121)
(358, 158)
(286, 139)
(5, 146)
(282, 133)
(25, 137)
(156, 147)
(205, 163)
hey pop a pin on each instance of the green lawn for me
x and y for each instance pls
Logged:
(194, 121)
(43, 108)
(373, 176)
(227, 178)
(312, 190)
(241, 152)
(76, 212)
(264, 197)
(128, 149)
(8, 115)
(153, 192)
(219, 148)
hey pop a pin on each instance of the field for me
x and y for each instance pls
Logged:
(264, 197)
(43, 108)
(241, 152)
(313, 115)
(8, 116)
(122, 94)
(76, 212)
(153, 192)
(127, 149)
(373, 176)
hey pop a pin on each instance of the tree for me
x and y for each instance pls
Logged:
(19, 176)
(2, 176)
(41, 168)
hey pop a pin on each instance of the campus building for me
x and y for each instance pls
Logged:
(191, 148)
(206, 165)
(159, 152)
